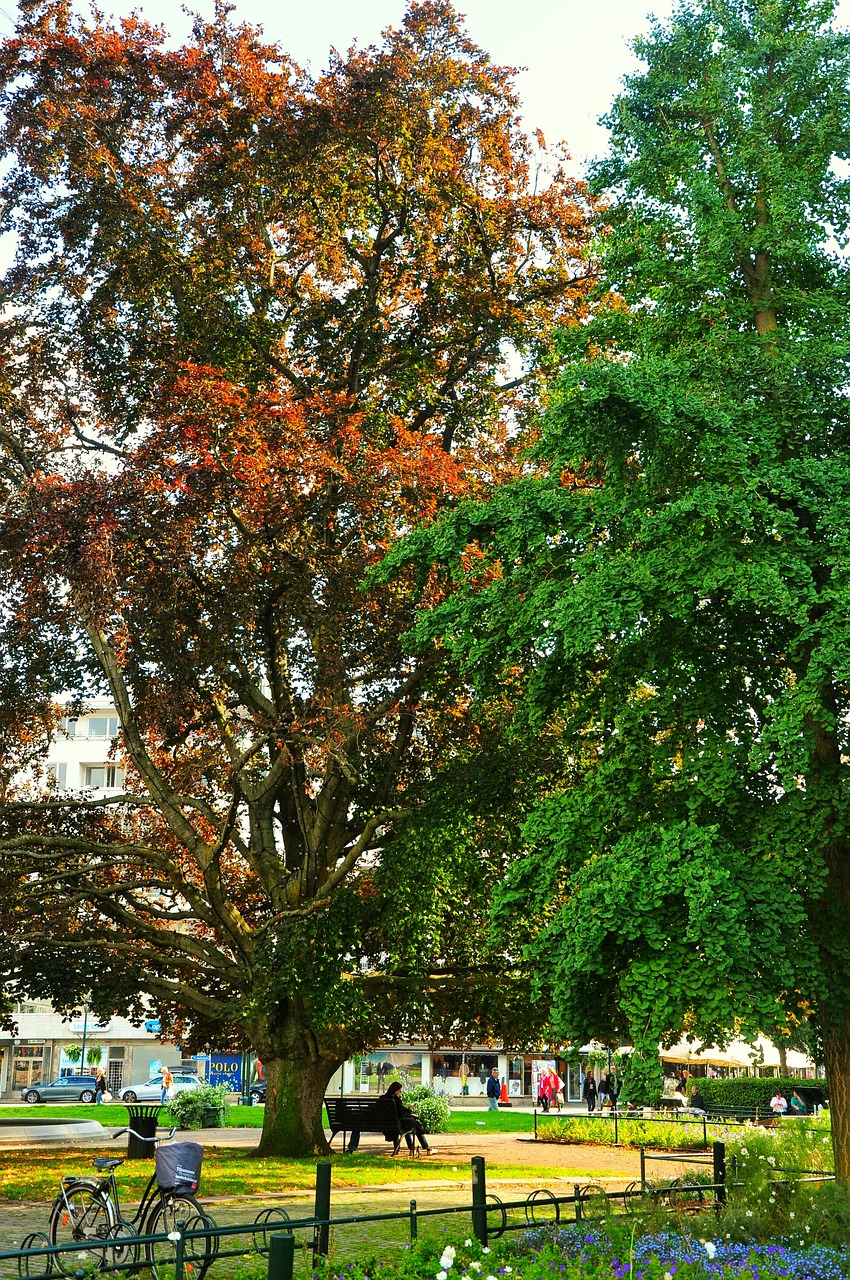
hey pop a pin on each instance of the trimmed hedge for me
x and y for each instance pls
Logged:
(751, 1092)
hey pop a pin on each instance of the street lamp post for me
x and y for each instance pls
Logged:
(83, 1050)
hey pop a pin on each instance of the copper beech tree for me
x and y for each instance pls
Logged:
(258, 327)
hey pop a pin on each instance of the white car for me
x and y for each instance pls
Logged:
(151, 1090)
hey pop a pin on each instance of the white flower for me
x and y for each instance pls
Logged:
(442, 1275)
(710, 1247)
(475, 1266)
(792, 1216)
(748, 1214)
(448, 1256)
(486, 1250)
(467, 1243)
(744, 1151)
(771, 1159)
(507, 1270)
(668, 1275)
(174, 1235)
(807, 1228)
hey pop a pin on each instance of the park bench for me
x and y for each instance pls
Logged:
(376, 1115)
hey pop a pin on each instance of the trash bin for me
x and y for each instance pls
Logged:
(144, 1119)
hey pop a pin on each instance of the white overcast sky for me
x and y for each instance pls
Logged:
(574, 51)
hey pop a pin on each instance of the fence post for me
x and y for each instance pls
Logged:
(180, 1251)
(281, 1257)
(322, 1210)
(616, 1126)
(642, 1169)
(479, 1200)
(414, 1222)
(718, 1152)
(705, 1131)
(577, 1200)
(535, 1122)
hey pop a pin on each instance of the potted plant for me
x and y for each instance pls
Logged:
(201, 1108)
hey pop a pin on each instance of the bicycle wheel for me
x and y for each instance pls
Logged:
(179, 1208)
(81, 1216)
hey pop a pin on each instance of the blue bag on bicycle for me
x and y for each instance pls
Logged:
(178, 1166)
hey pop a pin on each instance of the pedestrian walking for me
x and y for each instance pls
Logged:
(589, 1092)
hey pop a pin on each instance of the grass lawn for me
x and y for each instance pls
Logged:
(35, 1175)
(473, 1120)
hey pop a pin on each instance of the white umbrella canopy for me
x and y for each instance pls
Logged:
(738, 1053)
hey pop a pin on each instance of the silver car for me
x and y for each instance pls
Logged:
(151, 1090)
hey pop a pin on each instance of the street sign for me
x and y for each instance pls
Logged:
(154, 1026)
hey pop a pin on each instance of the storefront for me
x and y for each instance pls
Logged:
(30, 1065)
(464, 1075)
(374, 1072)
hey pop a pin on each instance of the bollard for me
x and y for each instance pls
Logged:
(281, 1257)
(718, 1152)
(322, 1210)
(414, 1222)
(479, 1200)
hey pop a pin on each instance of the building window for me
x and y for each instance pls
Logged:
(103, 726)
(99, 776)
(57, 775)
(68, 726)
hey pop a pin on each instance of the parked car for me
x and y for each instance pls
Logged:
(64, 1089)
(151, 1090)
(257, 1092)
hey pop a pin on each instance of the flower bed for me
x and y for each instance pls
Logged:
(580, 1252)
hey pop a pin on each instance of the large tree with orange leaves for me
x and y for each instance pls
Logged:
(258, 328)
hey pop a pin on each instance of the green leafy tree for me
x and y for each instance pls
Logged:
(674, 581)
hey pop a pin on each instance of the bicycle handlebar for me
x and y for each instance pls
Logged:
(141, 1138)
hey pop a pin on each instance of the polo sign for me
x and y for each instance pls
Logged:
(226, 1068)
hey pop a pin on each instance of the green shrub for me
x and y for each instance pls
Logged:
(683, 1135)
(433, 1111)
(749, 1093)
(189, 1107)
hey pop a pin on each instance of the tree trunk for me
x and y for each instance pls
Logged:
(783, 1059)
(295, 1089)
(836, 1048)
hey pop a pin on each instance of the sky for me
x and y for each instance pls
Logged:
(574, 52)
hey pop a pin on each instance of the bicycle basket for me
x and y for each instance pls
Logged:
(178, 1167)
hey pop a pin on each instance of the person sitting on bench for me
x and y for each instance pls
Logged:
(408, 1122)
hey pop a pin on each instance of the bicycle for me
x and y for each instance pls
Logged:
(89, 1209)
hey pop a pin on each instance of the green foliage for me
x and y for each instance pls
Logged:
(190, 1105)
(678, 1135)
(432, 1109)
(674, 582)
(749, 1093)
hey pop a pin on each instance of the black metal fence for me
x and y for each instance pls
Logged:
(274, 1234)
